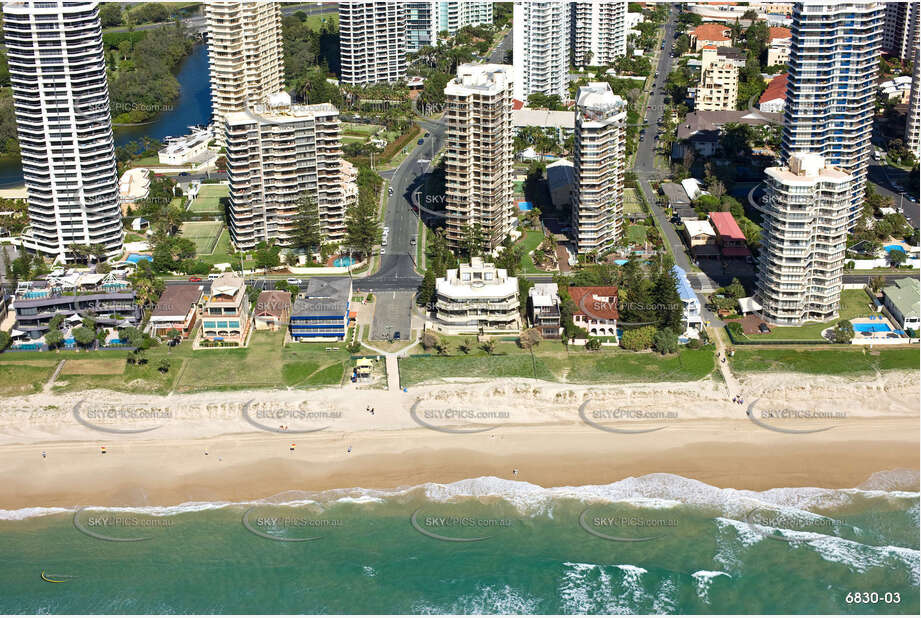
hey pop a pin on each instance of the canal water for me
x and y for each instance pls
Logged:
(192, 108)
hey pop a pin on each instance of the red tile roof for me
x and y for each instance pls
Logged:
(588, 305)
(777, 89)
(711, 32)
(776, 32)
(516, 104)
(726, 226)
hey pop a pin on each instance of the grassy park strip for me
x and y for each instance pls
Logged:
(554, 363)
(849, 361)
(266, 364)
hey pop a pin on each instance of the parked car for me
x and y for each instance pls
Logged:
(293, 281)
(194, 278)
(390, 191)
(421, 141)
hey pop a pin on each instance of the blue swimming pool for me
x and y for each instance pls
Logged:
(525, 206)
(621, 262)
(872, 328)
(134, 258)
(343, 261)
(889, 248)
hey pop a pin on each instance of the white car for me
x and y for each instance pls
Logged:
(293, 281)
(383, 242)
(386, 231)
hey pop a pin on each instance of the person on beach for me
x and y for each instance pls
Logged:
(349, 450)
(44, 454)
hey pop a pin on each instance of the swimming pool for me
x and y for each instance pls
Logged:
(134, 258)
(872, 328)
(343, 261)
(621, 262)
(889, 248)
(525, 206)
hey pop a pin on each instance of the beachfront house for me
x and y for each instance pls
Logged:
(323, 312)
(225, 312)
(177, 309)
(544, 309)
(272, 310)
(690, 311)
(729, 236)
(596, 310)
(901, 299)
(701, 238)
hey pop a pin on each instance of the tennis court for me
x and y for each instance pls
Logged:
(209, 197)
(203, 233)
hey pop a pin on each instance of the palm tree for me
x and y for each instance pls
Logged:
(488, 346)
(876, 284)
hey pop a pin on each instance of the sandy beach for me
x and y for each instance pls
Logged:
(791, 431)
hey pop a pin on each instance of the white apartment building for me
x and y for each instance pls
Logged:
(719, 82)
(478, 153)
(477, 297)
(372, 41)
(831, 88)
(799, 276)
(599, 155)
(599, 32)
(900, 25)
(540, 48)
(245, 56)
(276, 154)
(61, 97)
(913, 122)
(424, 20)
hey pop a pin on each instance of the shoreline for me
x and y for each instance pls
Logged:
(546, 431)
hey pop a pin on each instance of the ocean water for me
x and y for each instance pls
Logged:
(655, 544)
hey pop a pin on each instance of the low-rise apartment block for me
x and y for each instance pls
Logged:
(716, 35)
(719, 81)
(477, 298)
(901, 299)
(322, 314)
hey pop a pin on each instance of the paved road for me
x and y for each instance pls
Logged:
(498, 54)
(398, 266)
(645, 168)
(884, 179)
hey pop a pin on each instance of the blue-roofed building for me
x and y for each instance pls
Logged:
(322, 314)
(691, 313)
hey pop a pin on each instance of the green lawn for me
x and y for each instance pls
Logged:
(632, 201)
(552, 362)
(223, 253)
(203, 234)
(530, 242)
(636, 234)
(266, 363)
(208, 199)
(846, 360)
(19, 376)
(315, 22)
(854, 303)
